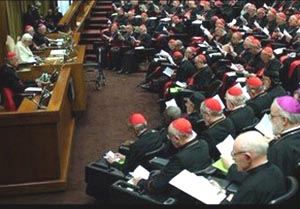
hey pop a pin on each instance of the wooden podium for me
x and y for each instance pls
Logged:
(77, 74)
(36, 144)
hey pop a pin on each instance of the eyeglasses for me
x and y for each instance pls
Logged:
(237, 153)
(273, 116)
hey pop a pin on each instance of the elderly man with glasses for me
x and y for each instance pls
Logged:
(260, 180)
(284, 151)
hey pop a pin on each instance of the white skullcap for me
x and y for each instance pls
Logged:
(27, 37)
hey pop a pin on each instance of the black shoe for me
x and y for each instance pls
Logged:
(146, 86)
(120, 71)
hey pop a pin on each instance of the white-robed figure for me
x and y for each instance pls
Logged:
(24, 54)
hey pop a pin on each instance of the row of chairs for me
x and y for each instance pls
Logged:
(108, 184)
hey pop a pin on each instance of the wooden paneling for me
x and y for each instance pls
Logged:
(35, 145)
(4, 31)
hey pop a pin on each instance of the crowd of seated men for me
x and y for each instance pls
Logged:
(34, 17)
(245, 52)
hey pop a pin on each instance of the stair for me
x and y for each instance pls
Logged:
(97, 21)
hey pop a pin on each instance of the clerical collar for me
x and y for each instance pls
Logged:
(291, 129)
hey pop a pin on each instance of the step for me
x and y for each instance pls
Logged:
(92, 33)
(100, 14)
(102, 8)
(91, 57)
(97, 20)
(101, 3)
(90, 40)
(90, 26)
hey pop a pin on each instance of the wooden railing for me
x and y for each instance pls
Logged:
(75, 16)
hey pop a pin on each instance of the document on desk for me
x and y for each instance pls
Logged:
(265, 126)
(140, 172)
(57, 52)
(33, 89)
(198, 187)
(168, 71)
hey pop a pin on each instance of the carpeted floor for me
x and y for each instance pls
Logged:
(102, 127)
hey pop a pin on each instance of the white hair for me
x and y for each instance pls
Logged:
(253, 141)
(26, 37)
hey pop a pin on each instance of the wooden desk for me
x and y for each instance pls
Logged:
(46, 52)
(76, 36)
(36, 144)
(77, 75)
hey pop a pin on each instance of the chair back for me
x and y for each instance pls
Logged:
(10, 43)
(8, 99)
(214, 88)
(292, 186)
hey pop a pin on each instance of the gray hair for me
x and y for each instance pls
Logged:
(236, 100)
(172, 112)
(293, 118)
(253, 141)
(173, 131)
(26, 37)
(204, 109)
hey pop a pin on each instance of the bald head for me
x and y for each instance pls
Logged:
(249, 150)
(252, 141)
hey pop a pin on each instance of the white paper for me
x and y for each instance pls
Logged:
(230, 74)
(140, 172)
(232, 23)
(265, 126)
(219, 46)
(266, 6)
(234, 67)
(164, 53)
(241, 79)
(181, 84)
(215, 54)
(266, 31)
(286, 33)
(205, 31)
(33, 89)
(198, 187)
(152, 18)
(171, 102)
(257, 25)
(139, 47)
(168, 71)
(246, 28)
(279, 50)
(217, 97)
(166, 19)
(112, 155)
(245, 22)
(226, 146)
(196, 22)
(168, 56)
(57, 52)
(244, 89)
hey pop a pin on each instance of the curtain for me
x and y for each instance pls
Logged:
(15, 11)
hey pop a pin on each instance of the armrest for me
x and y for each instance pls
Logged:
(232, 188)
(127, 193)
(158, 162)
(210, 170)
